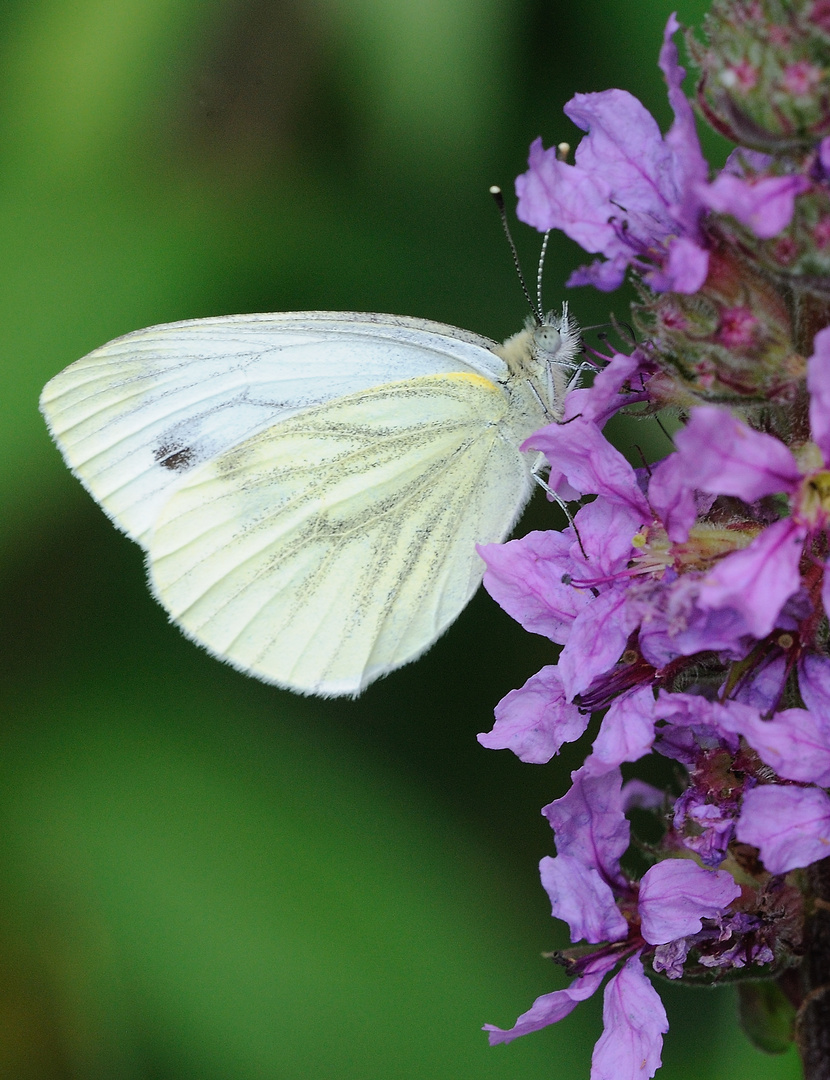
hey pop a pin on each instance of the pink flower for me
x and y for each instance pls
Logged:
(637, 197)
(630, 194)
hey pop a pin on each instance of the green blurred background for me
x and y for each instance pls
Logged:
(201, 876)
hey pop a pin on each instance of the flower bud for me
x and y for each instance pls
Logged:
(731, 342)
(764, 72)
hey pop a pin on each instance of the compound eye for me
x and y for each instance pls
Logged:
(549, 338)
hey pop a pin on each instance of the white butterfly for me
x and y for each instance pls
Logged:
(310, 486)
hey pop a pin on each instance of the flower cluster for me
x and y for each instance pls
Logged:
(689, 596)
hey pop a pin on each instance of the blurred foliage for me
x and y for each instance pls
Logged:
(201, 876)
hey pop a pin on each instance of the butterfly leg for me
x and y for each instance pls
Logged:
(536, 472)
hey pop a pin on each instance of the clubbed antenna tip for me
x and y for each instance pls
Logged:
(498, 197)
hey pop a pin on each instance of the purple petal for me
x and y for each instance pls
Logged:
(525, 578)
(634, 1023)
(590, 463)
(764, 205)
(724, 456)
(691, 628)
(685, 744)
(589, 822)
(655, 643)
(606, 530)
(625, 148)
(762, 691)
(580, 897)
(694, 723)
(670, 958)
(689, 163)
(757, 581)
(549, 1008)
(605, 396)
(790, 826)
(741, 161)
(615, 197)
(814, 684)
(672, 497)
(535, 720)
(685, 710)
(637, 793)
(706, 828)
(818, 383)
(597, 640)
(824, 154)
(626, 733)
(685, 269)
(605, 275)
(555, 195)
(536, 189)
(794, 742)
(676, 894)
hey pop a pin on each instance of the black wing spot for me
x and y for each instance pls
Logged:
(175, 457)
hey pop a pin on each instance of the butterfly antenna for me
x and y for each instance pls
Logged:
(562, 151)
(539, 269)
(498, 197)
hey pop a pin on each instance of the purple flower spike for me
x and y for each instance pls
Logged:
(690, 596)
(675, 895)
(634, 1025)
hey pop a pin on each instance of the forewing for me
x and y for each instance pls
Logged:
(137, 415)
(340, 543)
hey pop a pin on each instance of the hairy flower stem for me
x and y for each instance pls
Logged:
(813, 1022)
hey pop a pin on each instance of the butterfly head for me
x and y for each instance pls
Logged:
(556, 339)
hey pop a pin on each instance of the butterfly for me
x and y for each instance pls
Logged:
(309, 487)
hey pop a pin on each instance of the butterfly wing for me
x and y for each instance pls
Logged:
(137, 415)
(339, 543)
